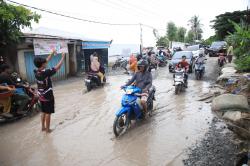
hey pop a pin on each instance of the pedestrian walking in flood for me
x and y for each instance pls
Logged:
(44, 86)
(230, 54)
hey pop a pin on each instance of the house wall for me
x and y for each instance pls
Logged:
(21, 62)
(70, 60)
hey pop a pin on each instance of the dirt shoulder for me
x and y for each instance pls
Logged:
(219, 145)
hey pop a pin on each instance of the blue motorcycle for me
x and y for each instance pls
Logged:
(131, 108)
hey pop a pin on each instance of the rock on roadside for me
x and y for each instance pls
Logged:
(234, 109)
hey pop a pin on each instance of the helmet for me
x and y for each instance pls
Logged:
(200, 55)
(184, 56)
(143, 63)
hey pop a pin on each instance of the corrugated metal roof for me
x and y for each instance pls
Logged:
(49, 33)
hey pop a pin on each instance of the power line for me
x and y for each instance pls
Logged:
(85, 20)
(118, 7)
(67, 16)
(142, 9)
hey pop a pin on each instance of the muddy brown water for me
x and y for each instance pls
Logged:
(83, 126)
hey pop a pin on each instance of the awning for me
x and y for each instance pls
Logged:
(95, 44)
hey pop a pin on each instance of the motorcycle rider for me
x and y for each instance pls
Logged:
(5, 101)
(200, 59)
(152, 59)
(221, 58)
(142, 79)
(19, 95)
(185, 65)
(95, 66)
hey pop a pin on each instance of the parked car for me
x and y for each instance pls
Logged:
(177, 57)
(216, 47)
(196, 50)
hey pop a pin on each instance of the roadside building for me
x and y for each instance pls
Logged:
(40, 42)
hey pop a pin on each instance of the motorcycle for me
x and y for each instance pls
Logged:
(199, 70)
(32, 106)
(179, 80)
(93, 80)
(153, 62)
(120, 62)
(130, 109)
(162, 60)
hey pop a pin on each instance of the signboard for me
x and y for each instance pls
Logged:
(45, 46)
(95, 44)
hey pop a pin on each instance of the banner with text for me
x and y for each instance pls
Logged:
(46, 46)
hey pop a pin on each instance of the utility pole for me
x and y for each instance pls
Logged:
(141, 43)
(248, 19)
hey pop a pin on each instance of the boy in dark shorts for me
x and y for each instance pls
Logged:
(44, 86)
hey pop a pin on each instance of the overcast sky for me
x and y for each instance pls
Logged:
(155, 13)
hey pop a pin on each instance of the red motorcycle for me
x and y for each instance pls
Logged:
(32, 106)
(221, 59)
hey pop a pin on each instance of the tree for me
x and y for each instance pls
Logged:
(240, 40)
(12, 20)
(171, 32)
(181, 31)
(196, 27)
(209, 40)
(162, 41)
(222, 25)
(190, 37)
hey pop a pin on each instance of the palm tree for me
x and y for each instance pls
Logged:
(196, 27)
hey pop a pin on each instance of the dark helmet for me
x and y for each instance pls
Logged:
(200, 55)
(142, 62)
(184, 56)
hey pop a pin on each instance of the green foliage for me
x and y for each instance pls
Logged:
(223, 27)
(210, 40)
(12, 20)
(171, 31)
(190, 37)
(162, 41)
(240, 40)
(181, 31)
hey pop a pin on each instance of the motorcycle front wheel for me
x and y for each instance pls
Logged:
(177, 89)
(197, 75)
(121, 124)
(150, 108)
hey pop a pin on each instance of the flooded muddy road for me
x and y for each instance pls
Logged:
(83, 126)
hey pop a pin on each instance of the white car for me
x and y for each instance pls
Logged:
(196, 50)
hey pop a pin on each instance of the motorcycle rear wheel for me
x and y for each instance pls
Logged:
(120, 124)
(88, 87)
(114, 67)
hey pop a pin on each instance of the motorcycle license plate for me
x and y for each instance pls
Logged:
(129, 91)
(86, 80)
(178, 80)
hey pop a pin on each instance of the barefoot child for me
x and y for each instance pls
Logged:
(44, 85)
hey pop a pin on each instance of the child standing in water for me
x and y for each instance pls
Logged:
(44, 86)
